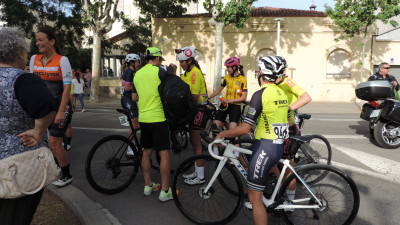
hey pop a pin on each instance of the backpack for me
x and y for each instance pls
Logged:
(177, 100)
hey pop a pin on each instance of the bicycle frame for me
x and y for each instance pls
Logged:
(229, 154)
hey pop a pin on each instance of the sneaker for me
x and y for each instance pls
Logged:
(129, 152)
(83, 110)
(147, 190)
(64, 180)
(195, 181)
(190, 175)
(165, 196)
(68, 147)
(248, 205)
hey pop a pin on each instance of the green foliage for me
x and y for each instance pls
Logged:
(64, 16)
(354, 16)
(237, 12)
(139, 32)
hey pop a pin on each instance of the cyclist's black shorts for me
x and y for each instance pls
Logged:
(200, 120)
(127, 103)
(265, 155)
(58, 130)
(234, 112)
(155, 135)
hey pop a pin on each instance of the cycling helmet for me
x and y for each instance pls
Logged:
(185, 53)
(232, 61)
(271, 67)
(283, 61)
(154, 51)
(132, 57)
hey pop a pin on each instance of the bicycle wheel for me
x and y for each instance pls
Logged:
(108, 168)
(217, 206)
(336, 191)
(318, 150)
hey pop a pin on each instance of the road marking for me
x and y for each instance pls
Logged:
(345, 136)
(335, 120)
(102, 129)
(383, 168)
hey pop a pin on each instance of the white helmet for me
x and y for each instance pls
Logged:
(185, 53)
(272, 67)
(132, 57)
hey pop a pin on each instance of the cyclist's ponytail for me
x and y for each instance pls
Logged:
(241, 72)
(196, 63)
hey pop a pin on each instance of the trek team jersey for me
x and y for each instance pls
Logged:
(145, 84)
(269, 107)
(55, 73)
(195, 80)
(233, 85)
(292, 91)
(127, 77)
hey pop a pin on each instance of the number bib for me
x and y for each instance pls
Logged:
(281, 131)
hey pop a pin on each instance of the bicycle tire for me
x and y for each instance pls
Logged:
(337, 192)
(318, 150)
(108, 169)
(218, 206)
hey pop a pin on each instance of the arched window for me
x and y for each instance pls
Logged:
(338, 64)
(263, 52)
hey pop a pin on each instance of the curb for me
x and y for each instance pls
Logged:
(87, 211)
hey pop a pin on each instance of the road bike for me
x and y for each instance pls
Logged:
(110, 169)
(329, 199)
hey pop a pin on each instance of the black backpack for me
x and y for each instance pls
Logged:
(177, 100)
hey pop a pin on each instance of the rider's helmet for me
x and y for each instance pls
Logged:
(185, 53)
(232, 61)
(131, 57)
(283, 61)
(154, 51)
(271, 67)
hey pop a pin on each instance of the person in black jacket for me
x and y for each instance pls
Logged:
(383, 74)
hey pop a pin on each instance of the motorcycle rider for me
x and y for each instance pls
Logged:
(383, 74)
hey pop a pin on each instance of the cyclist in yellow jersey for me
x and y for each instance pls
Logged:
(153, 124)
(195, 79)
(269, 107)
(297, 98)
(236, 93)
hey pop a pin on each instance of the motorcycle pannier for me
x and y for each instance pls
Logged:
(391, 110)
(366, 111)
(373, 90)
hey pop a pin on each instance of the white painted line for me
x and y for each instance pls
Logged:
(102, 129)
(335, 120)
(360, 137)
(384, 168)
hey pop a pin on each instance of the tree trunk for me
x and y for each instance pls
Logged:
(363, 54)
(96, 70)
(218, 54)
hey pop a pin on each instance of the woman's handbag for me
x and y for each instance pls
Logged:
(27, 173)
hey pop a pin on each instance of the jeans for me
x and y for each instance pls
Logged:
(80, 96)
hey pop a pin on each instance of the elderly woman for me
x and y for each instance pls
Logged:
(26, 110)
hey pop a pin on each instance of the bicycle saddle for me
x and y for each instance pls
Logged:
(305, 116)
(124, 111)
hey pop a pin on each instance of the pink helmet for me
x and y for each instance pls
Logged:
(232, 61)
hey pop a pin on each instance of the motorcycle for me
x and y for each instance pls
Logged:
(382, 111)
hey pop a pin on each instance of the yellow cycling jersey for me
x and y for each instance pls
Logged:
(269, 107)
(235, 86)
(195, 80)
(292, 91)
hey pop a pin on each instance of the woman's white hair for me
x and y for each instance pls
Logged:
(12, 44)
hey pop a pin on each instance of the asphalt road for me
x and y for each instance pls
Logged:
(375, 170)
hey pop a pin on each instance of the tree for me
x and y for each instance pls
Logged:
(62, 15)
(139, 32)
(236, 12)
(355, 16)
(100, 15)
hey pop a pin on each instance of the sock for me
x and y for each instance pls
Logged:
(69, 140)
(65, 171)
(215, 150)
(200, 171)
(290, 194)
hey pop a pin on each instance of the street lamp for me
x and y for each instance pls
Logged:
(278, 34)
